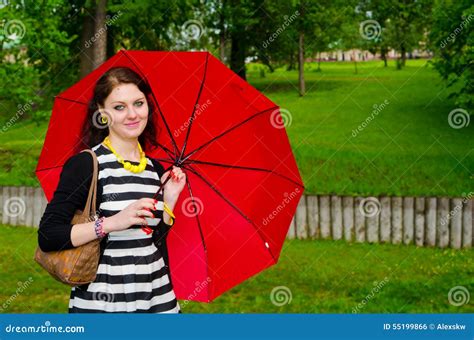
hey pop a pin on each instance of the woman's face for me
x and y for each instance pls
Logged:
(127, 108)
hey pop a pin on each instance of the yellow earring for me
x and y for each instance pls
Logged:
(104, 119)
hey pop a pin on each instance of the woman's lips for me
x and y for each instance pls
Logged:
(132, 125)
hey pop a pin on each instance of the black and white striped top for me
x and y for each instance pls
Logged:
(132, 275)
(121, 187)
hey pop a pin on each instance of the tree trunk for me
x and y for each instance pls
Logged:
(100, 45)
(266, 62)
(404, 54)
(319, 61)
(301, 64)
(383, 56)
(355, 62)
(222, 46)
(222, 33)
(237, 55)
(110, 41)
(291, 65)
(86, 43)
(399, 62)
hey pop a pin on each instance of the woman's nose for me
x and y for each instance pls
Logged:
(131, 113)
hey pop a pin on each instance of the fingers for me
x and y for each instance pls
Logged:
(144, 213)
(145, 203)
(177, 174)
(139, 221)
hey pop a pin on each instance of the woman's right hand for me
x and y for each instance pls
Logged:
(133, 214)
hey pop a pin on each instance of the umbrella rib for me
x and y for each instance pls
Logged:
(161, 187)
(194, 107)
(200, 230)
(244, 168)
(228, 130)
(196, 215)
(71, 100)
(188, 167)
(168, 151)
(194, 204)
(157, 104)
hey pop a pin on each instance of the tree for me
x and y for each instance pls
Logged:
(244, 18)
(452, 40)
(379, 12)
(407, 26)
(35, 53)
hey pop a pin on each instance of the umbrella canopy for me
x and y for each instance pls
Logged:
(243, 184)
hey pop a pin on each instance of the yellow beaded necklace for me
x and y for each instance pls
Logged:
(127, 165)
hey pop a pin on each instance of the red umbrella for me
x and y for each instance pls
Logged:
(243, 184)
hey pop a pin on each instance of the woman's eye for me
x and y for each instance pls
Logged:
(139, 103)
(119, 107)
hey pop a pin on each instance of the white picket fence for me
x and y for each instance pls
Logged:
(22, 205)
(424, 221)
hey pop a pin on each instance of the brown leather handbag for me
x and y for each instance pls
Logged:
(78, 265)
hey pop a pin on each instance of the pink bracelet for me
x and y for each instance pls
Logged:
(99, 227)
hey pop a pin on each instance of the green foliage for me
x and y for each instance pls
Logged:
(452, 40)
(34, 52)
(41, 116)
(149, 25)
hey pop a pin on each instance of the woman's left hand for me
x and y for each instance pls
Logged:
(175, 185)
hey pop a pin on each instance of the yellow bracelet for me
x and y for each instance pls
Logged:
(168, 210)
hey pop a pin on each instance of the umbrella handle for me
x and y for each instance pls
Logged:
(163, 184)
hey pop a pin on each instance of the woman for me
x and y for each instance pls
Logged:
(133, 273)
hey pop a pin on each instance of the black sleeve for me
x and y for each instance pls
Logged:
(54, 231)
(160, 235)
(163, 227)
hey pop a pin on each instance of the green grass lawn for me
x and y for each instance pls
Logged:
(322, 276)
(408, 149)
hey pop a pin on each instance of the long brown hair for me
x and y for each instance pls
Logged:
(93, 132)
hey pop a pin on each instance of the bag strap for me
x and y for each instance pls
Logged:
(90, 207)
